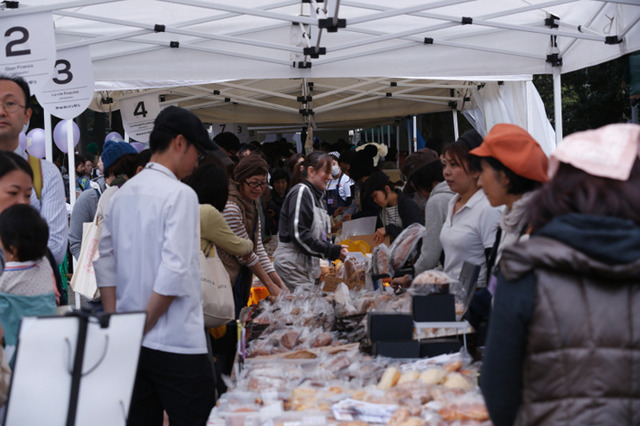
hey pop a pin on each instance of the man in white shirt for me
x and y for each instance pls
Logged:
(15, 113)
(149, 261)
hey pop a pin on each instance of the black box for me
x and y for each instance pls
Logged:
(397, 349)
(435, 347)
(434, 307)
(390, 327)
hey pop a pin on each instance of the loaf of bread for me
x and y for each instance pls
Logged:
(289, 339)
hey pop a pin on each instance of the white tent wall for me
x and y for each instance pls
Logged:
(515, 102)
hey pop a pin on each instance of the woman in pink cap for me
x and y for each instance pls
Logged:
(563, 345)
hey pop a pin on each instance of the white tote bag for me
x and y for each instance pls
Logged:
(217, 296)
(84, 277)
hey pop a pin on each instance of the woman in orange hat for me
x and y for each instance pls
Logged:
(513, 167)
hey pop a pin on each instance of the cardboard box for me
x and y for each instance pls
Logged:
(434, 307)
(389, 327)
(397, 349)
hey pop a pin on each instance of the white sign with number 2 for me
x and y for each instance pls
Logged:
(28, 47)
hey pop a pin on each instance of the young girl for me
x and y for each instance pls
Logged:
(397, 210)
(27, 286)
(304, 225)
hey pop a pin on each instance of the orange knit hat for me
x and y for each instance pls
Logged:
(517, 150)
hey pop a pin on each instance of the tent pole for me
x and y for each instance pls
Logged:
(454, 115)
(557, 103)
(398, 145)
(408, 138)
(48, 139)
(72, 163)
(415, 133)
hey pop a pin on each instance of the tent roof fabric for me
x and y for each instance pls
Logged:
(252, 61)
(256, 39)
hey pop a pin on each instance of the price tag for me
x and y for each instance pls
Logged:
(138, 114)
(28, 47)
(70, 90)
(240, 130)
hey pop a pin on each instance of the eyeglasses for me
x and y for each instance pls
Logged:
(11, 106)
(201, 153)
(256, 185)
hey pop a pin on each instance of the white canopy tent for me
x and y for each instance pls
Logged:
(252, 60)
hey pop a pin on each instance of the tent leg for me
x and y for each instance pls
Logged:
(415, 133)
(72, 163)
(48, 139)
(557, 103)
(398, 145)
(454, 115)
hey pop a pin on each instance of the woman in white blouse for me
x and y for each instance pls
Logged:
(471, 223)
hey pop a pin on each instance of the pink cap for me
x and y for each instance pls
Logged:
(609, 151)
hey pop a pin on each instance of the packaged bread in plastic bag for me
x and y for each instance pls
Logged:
(381, 266)
(406, 248)
(431, 282)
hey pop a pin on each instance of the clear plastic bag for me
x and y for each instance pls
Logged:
(431, 282)
(381, 262)
(405, 249)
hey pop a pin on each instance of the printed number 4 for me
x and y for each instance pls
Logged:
(140, 110)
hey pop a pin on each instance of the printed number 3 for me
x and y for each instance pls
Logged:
(64, 71)
(25, 37)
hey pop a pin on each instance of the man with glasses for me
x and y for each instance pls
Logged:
(149, 261)
(49, 197)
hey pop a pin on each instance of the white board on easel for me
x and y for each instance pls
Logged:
(41, 382)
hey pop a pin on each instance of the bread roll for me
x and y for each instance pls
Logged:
(389, 378)
(458, 381)
(433, 376)
(409, 376)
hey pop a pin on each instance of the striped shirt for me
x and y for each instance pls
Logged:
(52, 206)
(233, 216)
(390, 216)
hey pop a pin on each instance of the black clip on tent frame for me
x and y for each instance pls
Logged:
(76, 374)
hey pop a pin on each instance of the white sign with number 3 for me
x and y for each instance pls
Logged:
(138, 114)
(28, 47)
(70, 90)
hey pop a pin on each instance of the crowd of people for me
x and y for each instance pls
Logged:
(557, 241)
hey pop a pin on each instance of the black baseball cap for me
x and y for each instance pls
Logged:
(184, 122)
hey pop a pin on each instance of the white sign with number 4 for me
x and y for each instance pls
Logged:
(138, 114)
(70, 90)
(28, 47)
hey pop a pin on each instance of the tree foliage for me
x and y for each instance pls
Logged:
(591, 97)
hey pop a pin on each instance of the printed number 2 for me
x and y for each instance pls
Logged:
(25, 37)
(140, 110)
(64, 71)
